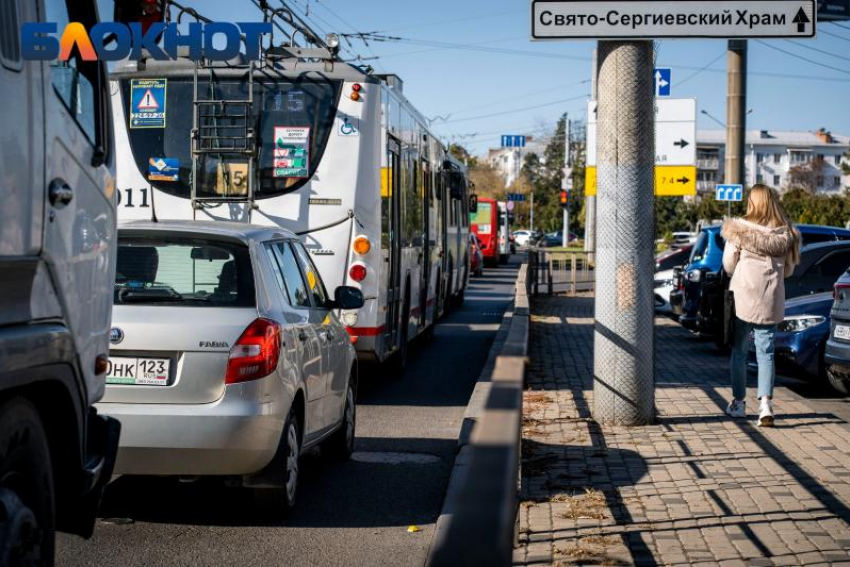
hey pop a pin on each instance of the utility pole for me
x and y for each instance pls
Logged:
(624, 349)
(736, 114)
(590, 200)
(531, 216)
(567, 183)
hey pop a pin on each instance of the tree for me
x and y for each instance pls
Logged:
(807, 176)
(488, 182)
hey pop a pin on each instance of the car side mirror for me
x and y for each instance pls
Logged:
(346, 297)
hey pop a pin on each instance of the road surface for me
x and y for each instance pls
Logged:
(352, 513)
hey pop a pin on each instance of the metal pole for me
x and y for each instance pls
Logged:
(590, 203)
(736, 114)
(624, 353)
(566, 185)
(531, 222)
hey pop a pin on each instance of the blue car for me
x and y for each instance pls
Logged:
(800, 339)
(697, 312)
(837, 355)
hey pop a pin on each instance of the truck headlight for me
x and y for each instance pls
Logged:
(797, 323)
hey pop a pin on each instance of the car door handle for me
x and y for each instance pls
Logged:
(60, 194)
(302, 336)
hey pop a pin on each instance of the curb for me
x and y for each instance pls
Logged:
(477, 522)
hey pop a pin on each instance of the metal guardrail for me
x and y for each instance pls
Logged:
(478, 524)
(564, 270)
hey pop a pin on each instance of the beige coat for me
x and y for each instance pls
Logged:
(759, 259)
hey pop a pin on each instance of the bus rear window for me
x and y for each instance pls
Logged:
(483, 217)
(306, 107)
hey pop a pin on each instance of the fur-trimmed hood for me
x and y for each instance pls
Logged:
(766, 241)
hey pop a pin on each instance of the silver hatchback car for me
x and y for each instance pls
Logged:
(227, 356)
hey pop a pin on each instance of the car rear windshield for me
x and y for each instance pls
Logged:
(181, 271)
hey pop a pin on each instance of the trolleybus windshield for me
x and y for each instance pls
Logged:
(290, 118)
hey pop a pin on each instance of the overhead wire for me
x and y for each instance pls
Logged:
(822, 51)
(806, 59)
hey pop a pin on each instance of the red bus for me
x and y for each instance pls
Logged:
(485, 224)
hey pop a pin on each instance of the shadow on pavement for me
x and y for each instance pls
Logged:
(378, 487)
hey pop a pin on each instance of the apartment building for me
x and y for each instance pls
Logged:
(778, 159)
(508, 161)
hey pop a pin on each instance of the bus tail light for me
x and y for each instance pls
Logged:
(357, 272)
(362, 246)
(256, 353)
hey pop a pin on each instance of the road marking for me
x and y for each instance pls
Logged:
(395, 458)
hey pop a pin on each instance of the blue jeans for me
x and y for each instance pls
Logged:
(763, 337)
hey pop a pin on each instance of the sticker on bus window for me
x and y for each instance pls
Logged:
(295, 101)
(164, 169)
(485, 228)
(148, 103)
(291, 152)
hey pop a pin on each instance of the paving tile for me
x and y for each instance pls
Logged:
(696, 487)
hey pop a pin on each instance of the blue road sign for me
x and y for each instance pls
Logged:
(518, 197)
(662, 78)
(729, 192)
(513, 141)
(833, 10)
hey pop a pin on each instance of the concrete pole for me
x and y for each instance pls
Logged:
(590, 201)
(566, 185)
(736, 114)
(624, 346)
(531, 220)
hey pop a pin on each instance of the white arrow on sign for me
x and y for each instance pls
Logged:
(675, 131)
(660, 83)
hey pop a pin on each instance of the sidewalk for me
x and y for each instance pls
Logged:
(696, 488)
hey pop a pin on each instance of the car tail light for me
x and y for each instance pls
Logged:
(255, 354)
(357, 272)
(839, 286)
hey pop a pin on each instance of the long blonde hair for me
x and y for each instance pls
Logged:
(764, 208)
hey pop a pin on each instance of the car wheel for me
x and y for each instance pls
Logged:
(27, 531)
(281, 500)
(838, 383)
(340, 444)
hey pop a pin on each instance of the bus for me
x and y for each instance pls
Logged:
(328, 150)
(486, 223)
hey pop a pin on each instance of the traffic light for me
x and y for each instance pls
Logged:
(565, 198)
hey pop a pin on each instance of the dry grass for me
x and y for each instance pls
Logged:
(590, 550)
(588, 506)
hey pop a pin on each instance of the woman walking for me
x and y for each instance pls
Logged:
(762, 249)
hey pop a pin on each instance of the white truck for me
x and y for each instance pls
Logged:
(57, 268)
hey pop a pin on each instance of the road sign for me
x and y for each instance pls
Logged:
(670, 180)
(662, 78)
(656, 19)
(513, 141)
(518, 197)
(510, 206)
(729, 192)
(833, 10)
(675, 131)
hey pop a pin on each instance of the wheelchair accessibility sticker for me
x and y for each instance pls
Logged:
(349, 126)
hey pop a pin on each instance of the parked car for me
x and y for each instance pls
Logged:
(703, 273)
(227, 355)
(476, 257)
(665, 265)
(522, 237)
(820, 266)
(801, 337)
(555, 239)
(837, 352)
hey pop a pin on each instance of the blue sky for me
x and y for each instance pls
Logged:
(506, 83)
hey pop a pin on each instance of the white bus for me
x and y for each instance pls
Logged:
(322, 148)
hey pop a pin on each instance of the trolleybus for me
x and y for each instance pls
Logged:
(328, 150)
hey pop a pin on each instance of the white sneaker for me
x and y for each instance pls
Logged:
(737, 408)
(766, 412)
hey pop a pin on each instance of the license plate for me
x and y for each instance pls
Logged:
(138, 371)
(842, 332)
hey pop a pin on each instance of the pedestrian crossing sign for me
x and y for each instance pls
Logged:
(148, 103)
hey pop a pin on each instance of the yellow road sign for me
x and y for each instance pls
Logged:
(670, 180)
